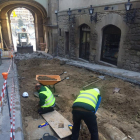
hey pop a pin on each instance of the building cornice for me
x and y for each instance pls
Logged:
(100, 5)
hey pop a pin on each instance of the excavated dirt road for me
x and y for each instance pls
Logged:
(121, 110)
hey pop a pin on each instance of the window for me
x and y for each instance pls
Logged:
(84, 50)
(66, 43)
(59, 31)
(110, 44)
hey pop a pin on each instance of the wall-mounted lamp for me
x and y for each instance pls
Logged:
(70, 18)
(91, 11)
(130, 15)
(128, 6)
(56, 12)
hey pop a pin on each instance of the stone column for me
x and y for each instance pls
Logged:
(36, 31)
(1, 39)
(5, 32)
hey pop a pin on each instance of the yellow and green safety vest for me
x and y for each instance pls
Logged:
(89, 97)
(50, 100)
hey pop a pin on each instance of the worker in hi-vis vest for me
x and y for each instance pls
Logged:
(84, 108)
(47, 100)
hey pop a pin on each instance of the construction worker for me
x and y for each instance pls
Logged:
(84, 108)
(47, 100)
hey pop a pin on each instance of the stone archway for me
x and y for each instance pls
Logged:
(111, 19)
(37, 10)
(34, 43)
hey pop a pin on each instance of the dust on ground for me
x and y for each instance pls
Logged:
(119, 109)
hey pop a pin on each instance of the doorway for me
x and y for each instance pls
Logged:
(48, 42)
(66, 43)
(84, 50)
(110, 44)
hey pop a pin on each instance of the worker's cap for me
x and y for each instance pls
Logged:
(25, 95)
(96, 89)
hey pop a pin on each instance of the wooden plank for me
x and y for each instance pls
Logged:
(54, 119)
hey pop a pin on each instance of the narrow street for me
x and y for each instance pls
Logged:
(70, 69)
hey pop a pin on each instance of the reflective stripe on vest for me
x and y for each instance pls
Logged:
(50, 100)
(89, 97)
(48, 103)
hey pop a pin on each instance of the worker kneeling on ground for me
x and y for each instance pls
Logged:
(47, 100)
(84, 108)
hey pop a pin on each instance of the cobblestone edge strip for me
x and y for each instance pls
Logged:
(105, 73)
(2, 95)
(69, 62)
(18, 127)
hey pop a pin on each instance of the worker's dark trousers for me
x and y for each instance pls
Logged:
(89, 119)
(45, 110)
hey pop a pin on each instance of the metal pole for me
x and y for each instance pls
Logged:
(8, 101)
(12, 62)
(0, 58)
(9, 107)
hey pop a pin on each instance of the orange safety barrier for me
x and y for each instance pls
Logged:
(5, 75)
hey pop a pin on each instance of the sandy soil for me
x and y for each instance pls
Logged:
(118, 109)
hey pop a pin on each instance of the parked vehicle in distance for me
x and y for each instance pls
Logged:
(23, 42)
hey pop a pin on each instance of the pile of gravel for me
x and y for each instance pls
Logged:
(33, 55)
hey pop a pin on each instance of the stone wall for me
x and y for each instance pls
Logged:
(129, 51)
(73, 27)
(44, 3)
(63, 26)
(131, 59)
(93, 39)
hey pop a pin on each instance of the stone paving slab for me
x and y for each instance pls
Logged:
(126, 75)
(4, 117)
(18, 121)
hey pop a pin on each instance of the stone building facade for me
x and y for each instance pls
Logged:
(111, 40)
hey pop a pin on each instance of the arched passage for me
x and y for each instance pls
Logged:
(39, 13)
(84, 49)
(110, 44)
(22, 18)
